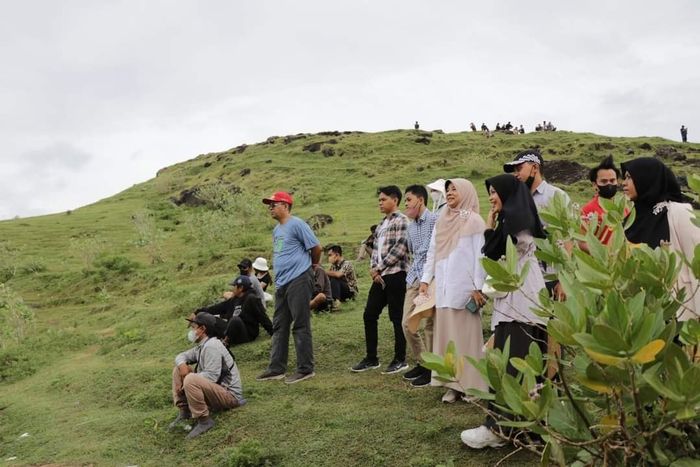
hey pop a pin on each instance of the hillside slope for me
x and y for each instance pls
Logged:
(110, 283)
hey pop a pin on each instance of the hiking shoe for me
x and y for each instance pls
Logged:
(296, 377)
(395, 367)
(204, 424)
(451, 396)
(269, 375)
(422, 381)
(182, 417)
(414, 373)
(336, 305)
(481, 437)
(365, 364)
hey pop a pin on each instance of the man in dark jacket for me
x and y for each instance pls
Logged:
(243, 313)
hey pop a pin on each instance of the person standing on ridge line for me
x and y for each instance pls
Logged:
(296, 251)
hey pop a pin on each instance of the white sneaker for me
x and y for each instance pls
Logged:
(451, 396)
(481, 437)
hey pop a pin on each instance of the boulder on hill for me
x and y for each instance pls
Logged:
(422, 139)
(566, 172)
(313, 147)
(289, 138)
(319, 221)
(645, 146)
(239, 149)
(189, 197)
(669, 153)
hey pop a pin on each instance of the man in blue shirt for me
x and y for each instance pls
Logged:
(296, 251)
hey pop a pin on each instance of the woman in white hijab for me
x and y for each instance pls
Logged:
(453, 261)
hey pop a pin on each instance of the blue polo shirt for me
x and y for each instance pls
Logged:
(291, 243)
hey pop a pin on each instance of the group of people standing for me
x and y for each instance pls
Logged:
(424, 253)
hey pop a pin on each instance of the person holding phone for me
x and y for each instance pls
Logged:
(453, 262)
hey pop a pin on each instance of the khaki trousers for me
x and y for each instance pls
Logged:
(200, 395)
(416, 342)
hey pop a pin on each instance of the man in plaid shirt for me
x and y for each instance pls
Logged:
(388, 269)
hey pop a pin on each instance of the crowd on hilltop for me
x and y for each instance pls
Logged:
(425, 268)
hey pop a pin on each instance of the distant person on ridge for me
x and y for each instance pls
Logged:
(472, 126)
(296, 251)
(684, 134)
(388, 271)
(214, 385)
(416, 125)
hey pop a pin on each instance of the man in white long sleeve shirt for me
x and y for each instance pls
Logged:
(215, 383)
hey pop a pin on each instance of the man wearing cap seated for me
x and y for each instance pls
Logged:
(214, 384)
(242, 312)
(296, 251)
(245, 268)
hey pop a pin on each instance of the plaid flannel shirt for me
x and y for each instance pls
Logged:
(392, 235)
(419, 233)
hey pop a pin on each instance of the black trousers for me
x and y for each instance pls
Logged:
(392, 296)
(340, 289)
(521, 336)
(237, 332)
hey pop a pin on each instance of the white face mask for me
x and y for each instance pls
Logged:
(191, 335)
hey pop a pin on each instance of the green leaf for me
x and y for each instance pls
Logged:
(609, 337)
(685, 462)
(521, 365)
(516, 424)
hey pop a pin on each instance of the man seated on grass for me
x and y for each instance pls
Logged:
(342, 277)
(322, 299)
(245, 268)
(242, 312)
(214, 385)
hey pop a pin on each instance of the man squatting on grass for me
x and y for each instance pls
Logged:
(215, 383)
(419, 233)
(296, 251)
(388, 270)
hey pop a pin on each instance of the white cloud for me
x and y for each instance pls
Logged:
(100, 95)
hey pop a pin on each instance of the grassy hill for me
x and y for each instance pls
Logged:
(108, 286)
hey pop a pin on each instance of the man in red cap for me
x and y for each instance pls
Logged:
(295, 251)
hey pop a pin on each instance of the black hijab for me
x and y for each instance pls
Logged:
(654, 183)
(517, 214)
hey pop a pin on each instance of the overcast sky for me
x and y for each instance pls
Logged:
(98, 95)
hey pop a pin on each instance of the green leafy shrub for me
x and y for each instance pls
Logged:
(627, 387)
(15, 316)
(117, 264)
(250, 453)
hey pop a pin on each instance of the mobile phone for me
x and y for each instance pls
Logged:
(472, 305)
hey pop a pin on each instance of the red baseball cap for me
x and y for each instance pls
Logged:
(281, 196)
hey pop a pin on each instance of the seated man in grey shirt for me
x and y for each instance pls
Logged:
(214, 384)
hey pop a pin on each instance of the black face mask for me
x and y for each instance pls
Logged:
(607, 191)
(529, 181)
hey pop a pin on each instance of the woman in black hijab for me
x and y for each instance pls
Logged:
(648, 182)
(661, 216)
(513, 217)
(517, 213)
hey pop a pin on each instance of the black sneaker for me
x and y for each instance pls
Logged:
(364, 365)
(422, 381)
(395, 367)
(269, 375)
(414, 373)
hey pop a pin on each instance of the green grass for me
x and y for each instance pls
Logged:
(91, 381)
